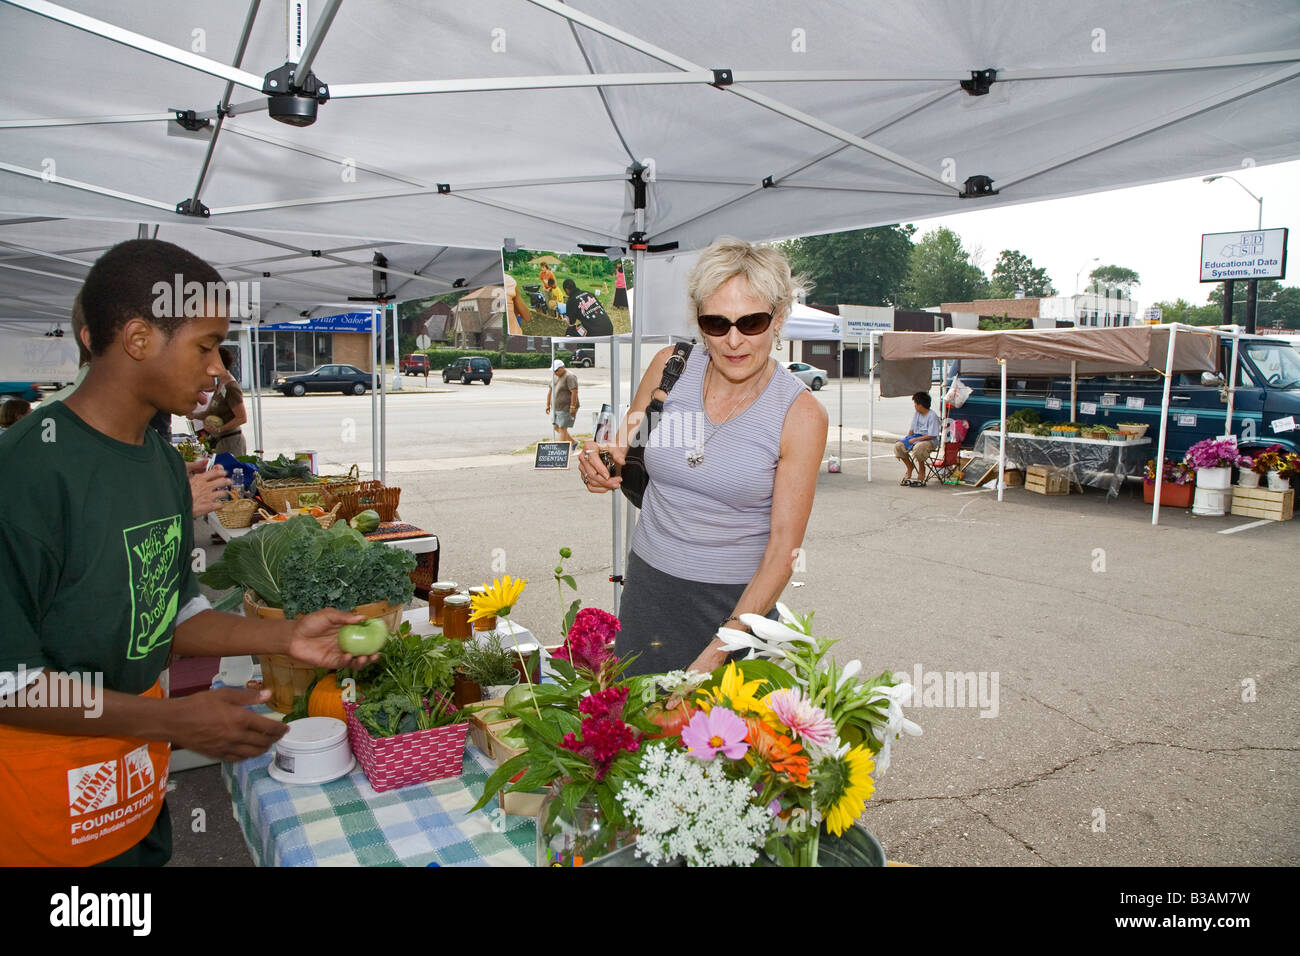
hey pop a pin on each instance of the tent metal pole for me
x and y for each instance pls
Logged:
(871, 400)
(1074, 388)
(89, 187)
(257, 391)
(1002, 433)
(1232, 380)
(312, 47)
(88, 120)
(140, 42)
(616, 499)
(1164, 425)
(383, 395)
(841, 459)
(374, 407)
(397, 352)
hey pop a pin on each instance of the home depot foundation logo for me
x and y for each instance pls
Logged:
(107, 795)
(190, 300)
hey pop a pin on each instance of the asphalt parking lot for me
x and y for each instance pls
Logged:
(1140, 684)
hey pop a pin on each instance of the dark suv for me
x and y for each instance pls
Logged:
(469, 369)
(417, 363)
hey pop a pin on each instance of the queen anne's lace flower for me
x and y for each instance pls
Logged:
(690, 809)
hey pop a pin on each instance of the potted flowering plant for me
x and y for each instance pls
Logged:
(1177, 482)
(1213, 460)
(1273, 463)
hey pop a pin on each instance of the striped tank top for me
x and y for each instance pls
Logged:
(711, 523)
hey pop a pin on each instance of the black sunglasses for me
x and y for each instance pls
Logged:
(719, 325)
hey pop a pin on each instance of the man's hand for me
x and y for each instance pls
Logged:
(315, 640)
(210, 490)
(217, 724)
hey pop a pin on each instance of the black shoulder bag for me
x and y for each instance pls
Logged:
(634, 474)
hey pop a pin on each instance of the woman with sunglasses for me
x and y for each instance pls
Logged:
(733, 466)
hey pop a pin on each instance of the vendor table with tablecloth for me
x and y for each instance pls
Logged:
(1086, 461)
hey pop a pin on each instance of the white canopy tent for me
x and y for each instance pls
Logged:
(1088, 351)
(805, 322)
(616, 126)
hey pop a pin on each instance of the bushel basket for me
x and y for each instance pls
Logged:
(415, 757)
(371, 495)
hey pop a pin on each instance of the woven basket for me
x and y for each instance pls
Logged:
(237, 513)
(282, 494)
(326, 520)
(415, 757)
(342, 484)
(370, 495)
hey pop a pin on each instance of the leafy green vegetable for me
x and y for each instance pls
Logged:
(254, 561)
(340, 568)
(284, 467)
(409, 688)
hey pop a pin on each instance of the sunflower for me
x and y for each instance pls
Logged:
(844, 785)
(498, 599)
(735, 693)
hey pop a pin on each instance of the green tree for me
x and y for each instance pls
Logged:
(1180, 310)
(860, 267)
(1117, 278)
(1274, 303)
(940, 271)
(1014, 270)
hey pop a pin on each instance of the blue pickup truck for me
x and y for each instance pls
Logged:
(1268, 390)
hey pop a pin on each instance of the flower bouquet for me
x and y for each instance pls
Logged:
(1175, 472)
(1213, 453)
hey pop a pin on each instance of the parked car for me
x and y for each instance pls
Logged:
(417, 363)
(814, 378)
(347, 379)
(27, 391)
(467, 369)
(583, 358)
(1268, 391)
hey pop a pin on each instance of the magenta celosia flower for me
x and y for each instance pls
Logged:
(720, 730)
(604, 733)
(605, 703)
(591, 639)
(797, 712)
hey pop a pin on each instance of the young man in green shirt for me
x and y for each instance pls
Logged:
(98, 585)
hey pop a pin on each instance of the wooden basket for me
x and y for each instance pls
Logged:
(414, 757)
(370, 495)
(326, 520)
(282, 494)
(342, 484)
(237, 513)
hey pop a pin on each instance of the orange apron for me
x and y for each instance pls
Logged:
(77, 801)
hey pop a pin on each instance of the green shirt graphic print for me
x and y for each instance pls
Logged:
(95, 543)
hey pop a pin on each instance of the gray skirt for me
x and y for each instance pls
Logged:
(668, 621)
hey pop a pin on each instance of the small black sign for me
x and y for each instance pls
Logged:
(552, 454)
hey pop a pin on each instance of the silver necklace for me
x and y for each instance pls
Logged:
(696, 455)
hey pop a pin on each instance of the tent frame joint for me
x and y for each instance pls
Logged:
(189, 120)
(980, 82)
(722, 77)
(192, 207)
(976, 187)
(444, 189)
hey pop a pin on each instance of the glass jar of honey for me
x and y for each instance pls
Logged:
(455, 617)
(483, 623)
(438, 592)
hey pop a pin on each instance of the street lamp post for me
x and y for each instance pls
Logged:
(1252, 285)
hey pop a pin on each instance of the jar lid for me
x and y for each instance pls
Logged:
(444, 586)
(457, 599)
(480, 590)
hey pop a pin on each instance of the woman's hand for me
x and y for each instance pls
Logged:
(592, 470)
(710, 659)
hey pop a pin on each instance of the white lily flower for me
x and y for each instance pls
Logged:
(734, 640)
(773, 632)
(790, 617)
(850, 671)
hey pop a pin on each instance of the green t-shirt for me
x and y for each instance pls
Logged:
(95, 544)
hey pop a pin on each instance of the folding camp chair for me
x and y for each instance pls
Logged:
(943, 464)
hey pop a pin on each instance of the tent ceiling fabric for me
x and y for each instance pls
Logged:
(1050, 351)
(1087, 97)
(42, 265)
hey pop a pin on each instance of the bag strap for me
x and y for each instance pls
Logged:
(673, 370)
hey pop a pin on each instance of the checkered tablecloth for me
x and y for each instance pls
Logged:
(346, 823)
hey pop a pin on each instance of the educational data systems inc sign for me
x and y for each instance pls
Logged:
(1248, 254)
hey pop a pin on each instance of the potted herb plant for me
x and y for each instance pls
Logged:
(294, 567)
(489, 664)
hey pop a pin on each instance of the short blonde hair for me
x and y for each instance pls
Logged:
(765, 270)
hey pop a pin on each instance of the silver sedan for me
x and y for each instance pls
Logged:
(814, 378)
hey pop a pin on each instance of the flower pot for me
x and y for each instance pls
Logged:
(464, 691)
(1277, 483)
(1248, 479)
(1215, 479)
(499, 690)
(287, 678)
(1171, 495)
(1213, 502)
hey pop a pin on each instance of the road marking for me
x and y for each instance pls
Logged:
(977, 491)
(1243, 527)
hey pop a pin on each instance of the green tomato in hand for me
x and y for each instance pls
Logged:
(365, 638)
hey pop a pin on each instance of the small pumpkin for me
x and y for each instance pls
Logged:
(327, 699)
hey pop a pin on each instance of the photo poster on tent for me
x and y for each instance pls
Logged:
(560, 294)
(469, 317)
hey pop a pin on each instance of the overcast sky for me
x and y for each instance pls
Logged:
(1154, 230)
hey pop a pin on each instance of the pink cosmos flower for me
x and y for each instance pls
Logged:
(718, 730)
(797, 712)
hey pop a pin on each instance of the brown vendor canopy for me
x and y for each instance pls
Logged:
(1132, 349)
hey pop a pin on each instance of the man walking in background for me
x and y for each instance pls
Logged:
(562, 400)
